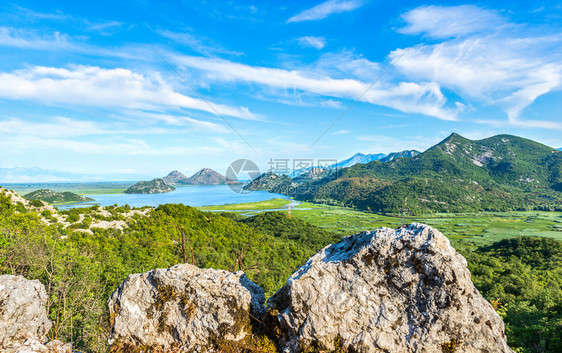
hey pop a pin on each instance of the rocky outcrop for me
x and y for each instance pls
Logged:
(183, 307)
(23, 318)
(32, 345)
(22, 311)
(400, 290)
(396, 291)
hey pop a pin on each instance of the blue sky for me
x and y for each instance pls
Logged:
(128, 90)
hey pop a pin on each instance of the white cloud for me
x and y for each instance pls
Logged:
(505, 66)
(57, 127)
(103, 26)
(200, 44)
(95, 86)
(341, 132)
(325, 9)
(424, 97)
(312, 42)
(124, 147)
(63, 127)
(346, 64)
(176, 120)
(388, 144)
(21, 38)
(445, 22)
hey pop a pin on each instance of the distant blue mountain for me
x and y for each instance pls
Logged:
(560, 149)
(358, 158)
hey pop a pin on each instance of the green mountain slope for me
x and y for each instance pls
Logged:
(499, 173)
(272, 182)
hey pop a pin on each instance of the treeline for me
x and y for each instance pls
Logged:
(418, 196)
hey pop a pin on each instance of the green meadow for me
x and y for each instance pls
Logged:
(466, 229)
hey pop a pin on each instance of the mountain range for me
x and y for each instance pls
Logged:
(317, 172)
(205, 176)
(360, 158)
(499, 173)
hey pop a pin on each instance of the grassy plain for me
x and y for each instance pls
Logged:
(463, 229)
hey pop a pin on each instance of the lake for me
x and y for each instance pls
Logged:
(193, 195)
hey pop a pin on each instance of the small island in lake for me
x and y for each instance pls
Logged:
(51, 196)
(154, 186)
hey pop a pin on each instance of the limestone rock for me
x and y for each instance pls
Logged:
(183, 307)
(32, 345)
(22, 311)
(396, 291)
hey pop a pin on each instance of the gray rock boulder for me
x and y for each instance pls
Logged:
(22, 312)
(390, 290)
(183, 307)
(32, 345)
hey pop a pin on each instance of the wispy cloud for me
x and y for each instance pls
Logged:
(199, 44)
(388, 144)
(64, 127)
(30, 14)
(312, 42)
(95, 86)
(410, 97)
(180, 120)
(21, 38)
(341, 132)
(445, 22)
(507, 65)
(113, 147)
(326, 9)
(104, 26)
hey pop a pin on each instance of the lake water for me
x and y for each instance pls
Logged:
(188, 195)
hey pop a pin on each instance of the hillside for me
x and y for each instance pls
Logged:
(56, 197)
(154, 186)
(457, 175)
(271, 182)
(174, 177)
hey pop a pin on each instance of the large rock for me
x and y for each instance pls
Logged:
(22, 312)
(395, 291)
(183, 307)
